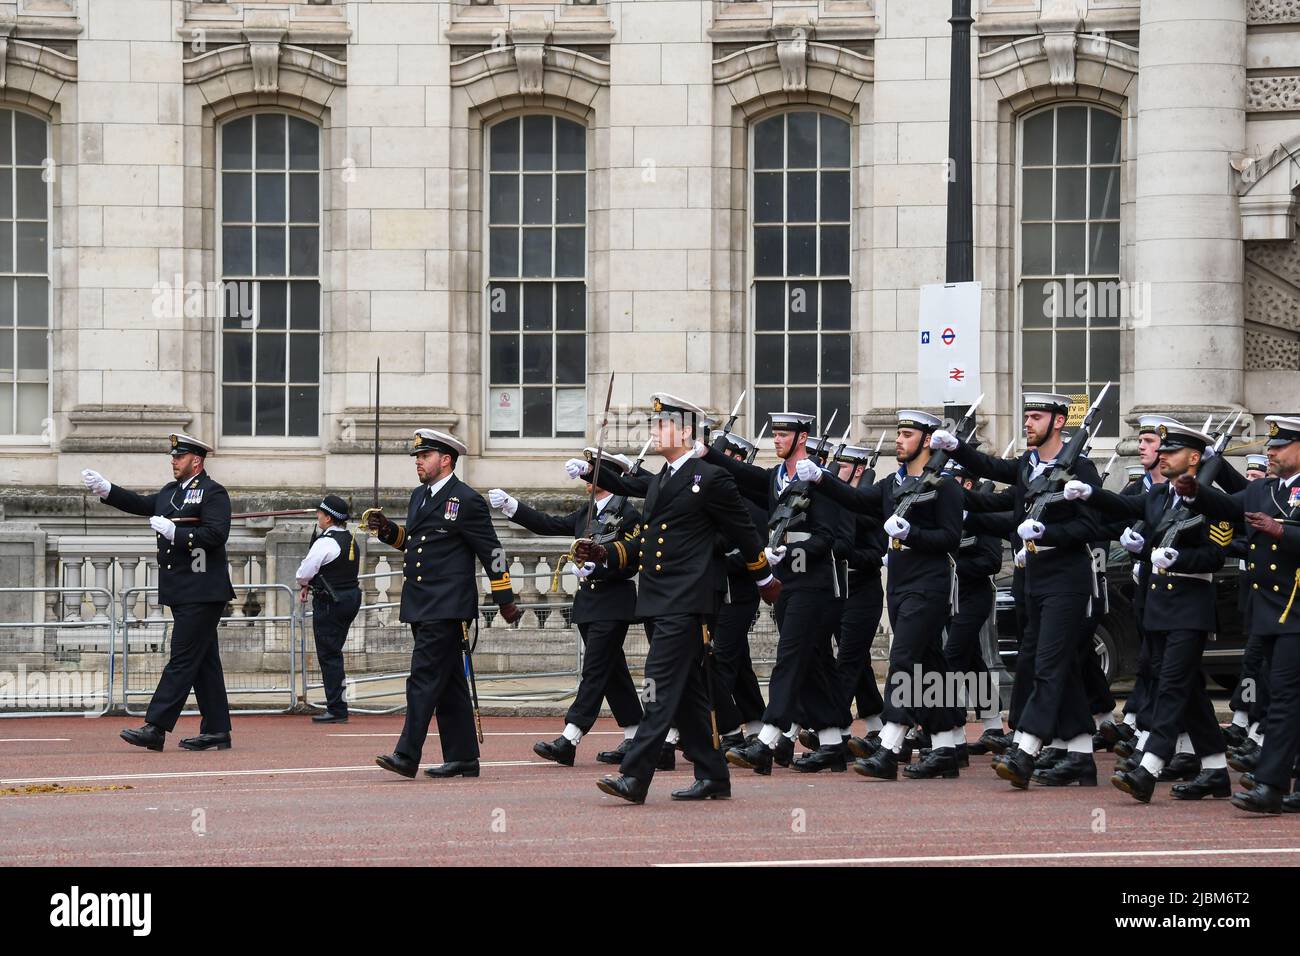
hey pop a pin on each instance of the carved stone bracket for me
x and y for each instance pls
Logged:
(792, 28)
(528, 33)
(264, 51)
(1060, 24)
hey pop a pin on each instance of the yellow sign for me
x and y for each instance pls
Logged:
(1078, 408)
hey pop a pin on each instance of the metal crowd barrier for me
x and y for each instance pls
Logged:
(43, 663)
(254, 647)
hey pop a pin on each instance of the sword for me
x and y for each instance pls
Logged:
(366, 514)
(600, 448)
(256, 514)
(708, 674)
(468, 655)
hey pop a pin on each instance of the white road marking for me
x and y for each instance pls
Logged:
(997, 857)
(497, 733)
(270, 771)
(34, 740)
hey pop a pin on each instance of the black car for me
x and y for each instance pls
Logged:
(1116, 640)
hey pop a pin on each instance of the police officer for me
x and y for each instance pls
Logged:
(603, 608)
(191, 518)
(687, 505)
(1184, 552)
(1271, 509)
(448, 525)
(329, 572)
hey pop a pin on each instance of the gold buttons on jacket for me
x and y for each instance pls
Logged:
(1272, 547)
(663, 527)
(658, 568)
(1252, 547)
(659, 554)
(1252, 565)
(421, 537)
(1255, 586)
(1153, 587)
(1275, 587)
(419, 550)
(1170, 585)
(418, 578)
(1272, 567)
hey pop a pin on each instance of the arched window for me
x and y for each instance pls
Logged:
(800, 213)
(536, 291)
(1071, 297)
(270, 270)
(24, 274)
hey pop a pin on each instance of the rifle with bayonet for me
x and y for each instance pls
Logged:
(791, 510)
(1047, 488)
(753, 451)
(1205, 474)
(925, 486)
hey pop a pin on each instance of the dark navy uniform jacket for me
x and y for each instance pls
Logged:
(192, 567)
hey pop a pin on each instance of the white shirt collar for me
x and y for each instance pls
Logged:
(601, 502)
(675, 466)
(190, 480)
(1288, 482)
(437, 485)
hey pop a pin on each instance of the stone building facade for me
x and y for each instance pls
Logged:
(216, 216)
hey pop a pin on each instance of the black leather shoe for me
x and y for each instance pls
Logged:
(727, 741)
(756, 756)
(667, 758)
(963, 755)
(883, 765)
(1016, 767)
(1208, 783)
(1244, 760)
(616, 755)
(1129, 763)
(1262, 799)
(1108, 735)
(1099, 743)
(1181, 767)
(940, 762)
(705, 790)
(207, 742)
(149, 736)
(995, 741)
(398, 764)
(808, 739)
(823, 758)
(1071, 769)
(328, 718)
(453, 768)
(919, 740)
(1235, 735)
(1126, 748)
(561, 750)
(1247, 781)
(783, 753)
(864, 747)
(629, 788)
(1049, 757)
(1137, 783)
(1291, 803)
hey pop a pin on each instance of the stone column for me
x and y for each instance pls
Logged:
(1188, 346)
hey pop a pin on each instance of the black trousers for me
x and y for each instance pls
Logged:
(1146, 712)
(1282, 725)
(1182, 704)
(962, 652)
(1251, 693)
(604, 677)
(854, 636)
(676, 697)
(1144, 678)
(916, 692)
(1095, 685)
(330, 621)
(438, 685)
(1026, 659)
(736, 692)
(1056, 705)
(802, 686)
(194, 662)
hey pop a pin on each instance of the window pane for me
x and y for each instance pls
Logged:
(1104, 247)
(6, 363)
(6, 152)
(304, 357)
(537, 413)
(503, 252)
(1109, 411)
(237, 197)
(537, 142)
(270, 147)
(33, 355)
(270, 197)
(304, 139)
(304, 311)
(801, 197)
(767, 400)
(1071, 186)
(835, 401)
(6, 197)
(237, 410)
(570, 252)
(767, 197)
(801, 250)
(537, 307)
(6, 248)
(1071, 136)
(503, 306)
(1037, 149)
(1036, 195)
(1103, 202)
(270, 357)
(272, 305)
(1036, 357)
(1036, 254)
(570, 145)
(769, 359)
(1105, 137)
(1109, 301)
(270, 250)
(270, 410)
(304, 253)
(835, 359)
(6, 302)
(570, 359)
(537, 199)
(503, 199)
(505, 145)
(571, 199)
(1071, 356)
(836, 305)
(32, 194)
(237, 357)
(767, 251)
(537, 252)
(769, 143)
(835, 251)
(769, 306)
(503, 413)
(1103, 356)
(504, 360)
(304, 197)
(304, 417)
(237, 144)
(570, 412)
(238, 304)
(537, 358)
(1070, 248)
(803, 306)
(33, 301)
(1039, 302)
(32, 253)
(835, 197)
(835, 142)
(803, 359)
(33, 403)
(802, 400)
(570, 305)
(802, 130)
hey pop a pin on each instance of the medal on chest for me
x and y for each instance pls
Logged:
(1293, 498)
(695, 484)
(451, 509)
(194, 496)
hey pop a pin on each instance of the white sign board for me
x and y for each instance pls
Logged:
(948, 344)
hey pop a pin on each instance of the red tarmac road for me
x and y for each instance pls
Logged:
(292, 792)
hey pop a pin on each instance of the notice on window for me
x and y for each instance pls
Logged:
(504, 410)
(571, 411)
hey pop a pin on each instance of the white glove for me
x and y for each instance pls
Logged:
(96, 483)
(897, 527)
(944, 440)
(775, 557)
(1075, 489)
(576, 467)
(1020, 557)
(164, 526)
(503, 502)
(582, 570)
(699, 450)
(884, 560)
(1030, 530)
(806, 469)
(1132, 542)
(1164, 557)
